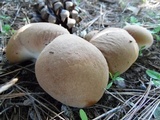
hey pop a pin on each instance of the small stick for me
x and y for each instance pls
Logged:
(7, 85)
(109, 112)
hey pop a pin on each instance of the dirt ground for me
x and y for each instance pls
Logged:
(135, 98)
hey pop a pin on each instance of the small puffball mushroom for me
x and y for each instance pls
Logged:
(119, 48)
(73, 71)
(142, 36)
(30, 40)
(90, 35)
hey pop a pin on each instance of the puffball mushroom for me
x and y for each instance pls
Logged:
(142, 36)
(30, 40)
(72, 70)
(119, 48)
(91, 34)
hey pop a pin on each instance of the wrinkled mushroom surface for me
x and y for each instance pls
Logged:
(73, 71)
(119, 48)
(142, 36)
(30, 40)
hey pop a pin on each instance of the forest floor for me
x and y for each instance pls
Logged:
(136, 97)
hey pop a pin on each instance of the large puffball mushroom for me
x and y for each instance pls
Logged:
(90, 35)
(142, 36)
(30, 40)
(73, 71)
(119, 48)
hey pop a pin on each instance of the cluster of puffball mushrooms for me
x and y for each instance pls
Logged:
(61, 12)
(71, 69)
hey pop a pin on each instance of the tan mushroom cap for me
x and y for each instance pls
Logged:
(30, 40)
(119, 48)
(92, 33)
(73, 71)
(142, 36)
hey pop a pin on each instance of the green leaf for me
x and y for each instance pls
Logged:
(156, 29)
(157, 113)
(4, 17)
(83, 115)
(144, 1)
(119, 78)
(13, 31)
(79, 1)
(109, 85)
(6, 27)
(110, 74)
(140, 51)
(156, 83)
(115, 75)
(157, 37)
(133, 19)
(153, 74)
(114, 78)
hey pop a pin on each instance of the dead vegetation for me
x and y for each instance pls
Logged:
(136, 98)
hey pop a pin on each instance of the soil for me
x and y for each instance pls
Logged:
(132, 99)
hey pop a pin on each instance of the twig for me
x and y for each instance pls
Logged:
(25, 68)
(138, 105)
(157, 67)
(19, 7)
(10, 96)
(36, 110)
(7, 85)
(115, 97)
(150, 108)
(109, 112)
(16, 70)
(40, 103)
(4, 110)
